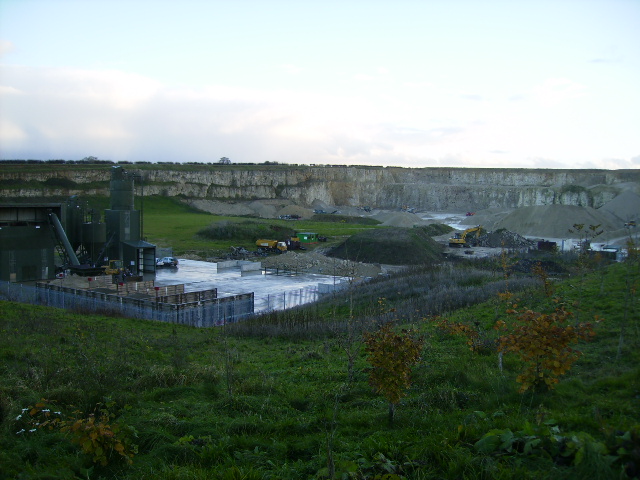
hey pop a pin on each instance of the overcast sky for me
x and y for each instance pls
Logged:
(414, 83)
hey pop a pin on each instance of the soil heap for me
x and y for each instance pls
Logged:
(316, 262)
(624, 207)
(504, 238)
(554, 221)
(399, 219)
(392, 246)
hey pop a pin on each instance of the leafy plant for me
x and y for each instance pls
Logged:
(542, 341)
(476, 341)
(544, 438)
(392, 356)
(96, 434)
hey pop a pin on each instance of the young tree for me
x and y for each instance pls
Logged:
(543, 342)
(392, 356)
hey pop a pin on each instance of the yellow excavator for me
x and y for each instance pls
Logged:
(461, 240)
(114, 267)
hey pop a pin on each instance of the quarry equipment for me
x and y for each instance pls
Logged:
(271, 246)
(293, 243)
(466, 238)
(40, 241)
(114, 267)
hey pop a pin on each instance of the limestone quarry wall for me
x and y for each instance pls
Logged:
(434, 189)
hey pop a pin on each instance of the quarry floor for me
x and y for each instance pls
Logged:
(271, 291)
(277, 292)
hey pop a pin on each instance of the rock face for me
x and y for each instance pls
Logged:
(433, 189)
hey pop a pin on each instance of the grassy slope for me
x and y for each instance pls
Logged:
(399, 246)
(168, 223)
(207, 404)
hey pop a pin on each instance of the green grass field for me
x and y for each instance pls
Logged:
(169, 223)
(80, 394)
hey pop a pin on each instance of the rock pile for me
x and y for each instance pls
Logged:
(315, 262)
(504, 238)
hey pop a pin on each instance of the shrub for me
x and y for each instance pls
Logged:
(542, 341)
(247, 231)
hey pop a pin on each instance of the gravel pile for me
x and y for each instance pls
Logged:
(554, 221)
(399, 219)
(624, 207)
(504, 238)
(296, 211)
(315, 262)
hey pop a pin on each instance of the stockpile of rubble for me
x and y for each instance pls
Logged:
(504, 238)
(315, 262)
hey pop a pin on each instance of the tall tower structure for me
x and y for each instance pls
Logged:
(124, 232)
(122, 219)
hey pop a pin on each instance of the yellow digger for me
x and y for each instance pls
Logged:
(461, 240)
(114, 267)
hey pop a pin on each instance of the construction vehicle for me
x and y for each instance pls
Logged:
(467, 238)
(293, 243)
(271, 246)
(114, 267)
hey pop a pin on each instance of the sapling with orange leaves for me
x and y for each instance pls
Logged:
(543, 342)
(392, 356)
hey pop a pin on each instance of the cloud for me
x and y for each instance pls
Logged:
(10, 132)
(5, 47)
(72, 113)
(363, 77)
(9, 90)
(472, 96)
(556, 90)
(291, 69)
(518, 97)
(610, 55)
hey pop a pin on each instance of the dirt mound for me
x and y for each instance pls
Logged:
(624, 207)
(398, 246)
(504, 238)
(315, 262)
(488, 218)
(399, 219)
(554, 221)
(295, 210)
(222, 208)
(263, 210)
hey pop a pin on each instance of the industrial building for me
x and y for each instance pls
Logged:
(39, 241)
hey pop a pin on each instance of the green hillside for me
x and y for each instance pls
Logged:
(287, 396)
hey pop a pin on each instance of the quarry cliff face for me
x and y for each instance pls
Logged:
(434, 189)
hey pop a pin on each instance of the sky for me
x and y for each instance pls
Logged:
(411, 83)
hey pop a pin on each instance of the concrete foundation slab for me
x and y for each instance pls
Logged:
(271, 292)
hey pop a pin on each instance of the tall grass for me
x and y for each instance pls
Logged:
(265, 399)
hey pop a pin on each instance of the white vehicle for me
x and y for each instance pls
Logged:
(170, 262)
